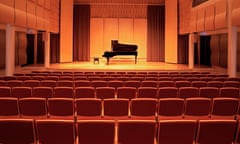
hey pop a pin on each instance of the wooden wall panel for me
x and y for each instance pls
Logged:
(111, 29)
(31, 14)
(21, 13)
(201, 20)
(2, 48)
(236, 13)
(6, 14)
(126, 30)
(209, 17)
(96, 37)
(40, 20)
(221, 14)
(193, 22)
(140, 37)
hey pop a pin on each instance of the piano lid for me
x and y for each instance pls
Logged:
(122, 47)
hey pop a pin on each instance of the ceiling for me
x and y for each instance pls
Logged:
(134, 2)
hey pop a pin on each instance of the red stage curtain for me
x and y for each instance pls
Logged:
(81, 33)
(156, 33)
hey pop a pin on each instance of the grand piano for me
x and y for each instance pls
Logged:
(121, 49)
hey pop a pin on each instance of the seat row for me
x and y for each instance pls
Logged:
(120, 92)
(115, 109)
(123, 77)
(23, 131)
(119, 83)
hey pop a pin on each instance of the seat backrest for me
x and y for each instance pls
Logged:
(209, 92)
(199, 84)
(216, 131)
(229, 92)
(96, 131)
(5, 91)
(65, 83)
(84, 92)
(105, 92)
(187, 92)
(147, 92)
(167, 92)
(133, 83)
(197, 108)
(63, 92)
(88, 107)
(149, 83)
(136, 131)
(9, 107)
(176, 131)
(168, 83)
(22, 92)
(42, 92)
(17, 131)
(217, 84)
(55, 131)
(49, 83)
(224, 108)
(126, 92)
(31, 83)
(33, 107)
(116, 107)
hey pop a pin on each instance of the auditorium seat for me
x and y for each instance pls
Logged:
(143, 108)
(216, 131)
(187, 92)
(5, 91)
(199, 84)
(229, 92)
(33, 108)
(84, 92)
(31, 83)
(49, 83)
(65, 83)
(42, 92)
(209, 92)
(136, 131)
(126, 92)
(88, 108)
(96, 131)
(82, 83)
(170, 108)
(17, 131)
(182, 83)
(164, 83)
(99, 83)
(14, 83)
(21, 92)
(177, 131)
(9, 107)
(116, 108)
(224, 108)
(115, 83)
(23, 78)
(51, 131)
(66, 77)
(105, 92)
(133, 83)
(197, 108)
(52, 77)
(149, 83)
(147, 92)
(235, 84)
(217, 84)
(61, 108)
(63, 92)
(167, 92)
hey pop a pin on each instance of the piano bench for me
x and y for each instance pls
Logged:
(95, 60)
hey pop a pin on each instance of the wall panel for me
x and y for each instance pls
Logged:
(140, 37)
(20, 13)
(221, 14)
(9, 18)
(236, 13)
(126, 30)
(193, 21)
(31, 14)
(201, 20)
(96, 37)
(40, 20)
(209, 17)
(111, 29)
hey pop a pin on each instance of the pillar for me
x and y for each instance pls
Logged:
(10, 50)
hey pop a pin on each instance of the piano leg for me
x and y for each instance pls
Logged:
(108, 60)
(135, 59)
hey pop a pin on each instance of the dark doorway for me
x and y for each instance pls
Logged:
(40, 49)
(205, 50)
(30, 49)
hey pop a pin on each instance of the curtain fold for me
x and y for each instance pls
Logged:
(156, 33)
(81, 33)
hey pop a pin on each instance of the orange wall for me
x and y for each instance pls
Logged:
(125, 30)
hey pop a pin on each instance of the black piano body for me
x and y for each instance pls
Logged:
(121, 49)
